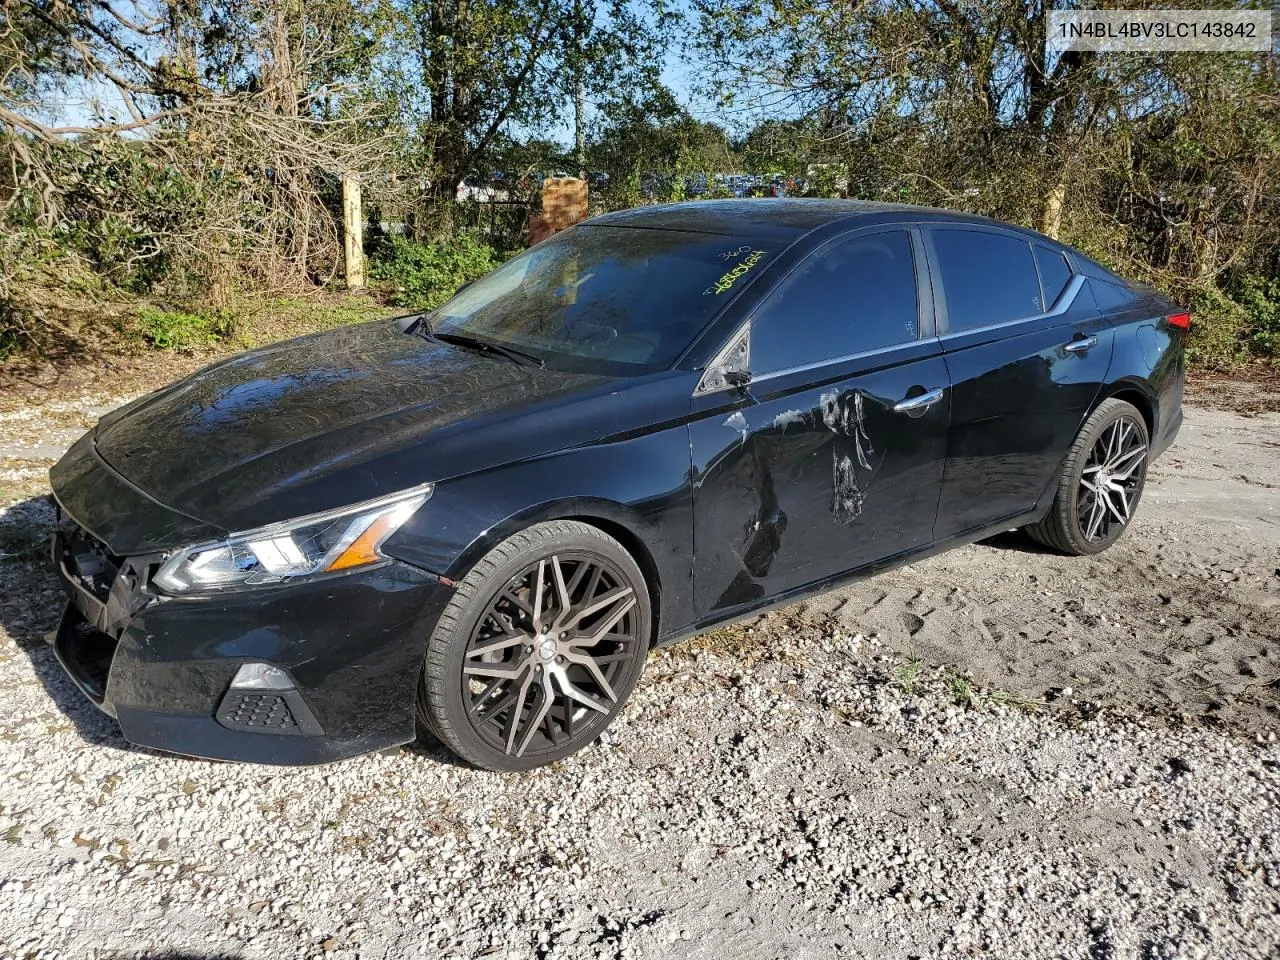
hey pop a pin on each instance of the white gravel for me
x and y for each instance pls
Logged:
(791, 789)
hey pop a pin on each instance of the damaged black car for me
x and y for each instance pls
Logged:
(475, 523)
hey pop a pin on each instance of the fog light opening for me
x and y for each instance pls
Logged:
(261, 676)
(264, 699)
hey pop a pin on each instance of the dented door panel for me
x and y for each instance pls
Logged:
(813, 474)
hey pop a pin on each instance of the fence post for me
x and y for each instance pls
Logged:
(352, 232)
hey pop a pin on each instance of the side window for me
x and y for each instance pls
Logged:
(987, 278)
(847, 298)
(1054, 274)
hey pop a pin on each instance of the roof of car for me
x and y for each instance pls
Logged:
(775, 218)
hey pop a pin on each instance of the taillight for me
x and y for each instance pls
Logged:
(1180, 321)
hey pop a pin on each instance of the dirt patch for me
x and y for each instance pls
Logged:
(1249, 390)
(31, 382)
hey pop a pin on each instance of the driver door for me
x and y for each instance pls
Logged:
(831, 458)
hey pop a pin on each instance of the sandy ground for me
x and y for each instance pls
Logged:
(1181, 618)
(987, 753)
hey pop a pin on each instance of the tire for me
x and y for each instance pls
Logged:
(490, 671)
(1115, 424)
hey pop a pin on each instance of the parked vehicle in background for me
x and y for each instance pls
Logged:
(653, 186)
(482, 519)
(473, 188)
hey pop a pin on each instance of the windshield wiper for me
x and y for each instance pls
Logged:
(466, 340)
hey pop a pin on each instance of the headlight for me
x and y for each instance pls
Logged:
(320, 543)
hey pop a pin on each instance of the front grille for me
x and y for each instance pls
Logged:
(260, 712)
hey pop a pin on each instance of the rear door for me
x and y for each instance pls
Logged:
(831, 458)
(1027, 353)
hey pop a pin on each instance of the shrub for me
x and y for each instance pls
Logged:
(1217, 325)
(1236, 324)
(1260, 299)
(424, 275)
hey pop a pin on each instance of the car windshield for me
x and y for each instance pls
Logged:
(599, 299)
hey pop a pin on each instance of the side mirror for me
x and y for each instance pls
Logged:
(736, 378)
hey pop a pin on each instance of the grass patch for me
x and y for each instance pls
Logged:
(962, 691)
(180, 330)
(907, 676)
(421, 276)
(1016, 701)
(968, 695)
(284, 317)
(250, 322)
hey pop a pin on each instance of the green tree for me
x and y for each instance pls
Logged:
(1159, 164)
(485, 67)
(655, 134)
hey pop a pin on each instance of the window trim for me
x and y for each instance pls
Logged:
(924, 298)
(831, 362)
(927, 322)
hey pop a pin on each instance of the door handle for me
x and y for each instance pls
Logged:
(920, 403)
(1083, 345)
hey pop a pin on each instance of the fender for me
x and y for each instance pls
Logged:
(636, 488)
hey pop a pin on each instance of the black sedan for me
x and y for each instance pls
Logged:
(478, 521)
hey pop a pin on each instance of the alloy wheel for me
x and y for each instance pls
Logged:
(542, 663)
(1111, 480)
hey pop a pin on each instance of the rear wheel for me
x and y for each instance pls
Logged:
(539, 648)
(1101, 482)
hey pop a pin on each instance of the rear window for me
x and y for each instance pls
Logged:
(606, 299)
(987, 278)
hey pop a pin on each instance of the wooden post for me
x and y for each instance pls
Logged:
(353, 232)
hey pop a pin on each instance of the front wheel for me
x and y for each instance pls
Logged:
(538, 649)
(1101, 482)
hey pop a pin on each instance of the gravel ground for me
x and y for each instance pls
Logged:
(997, 752)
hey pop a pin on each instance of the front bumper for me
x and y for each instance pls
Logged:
(351, 644)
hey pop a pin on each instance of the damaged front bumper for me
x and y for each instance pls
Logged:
(341, 657)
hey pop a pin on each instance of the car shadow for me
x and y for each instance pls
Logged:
(31, 604)
(1015, 540)
(429, 748)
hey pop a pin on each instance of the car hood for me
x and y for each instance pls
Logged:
(302, 425)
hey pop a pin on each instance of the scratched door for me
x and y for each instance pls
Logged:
(832, 459)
